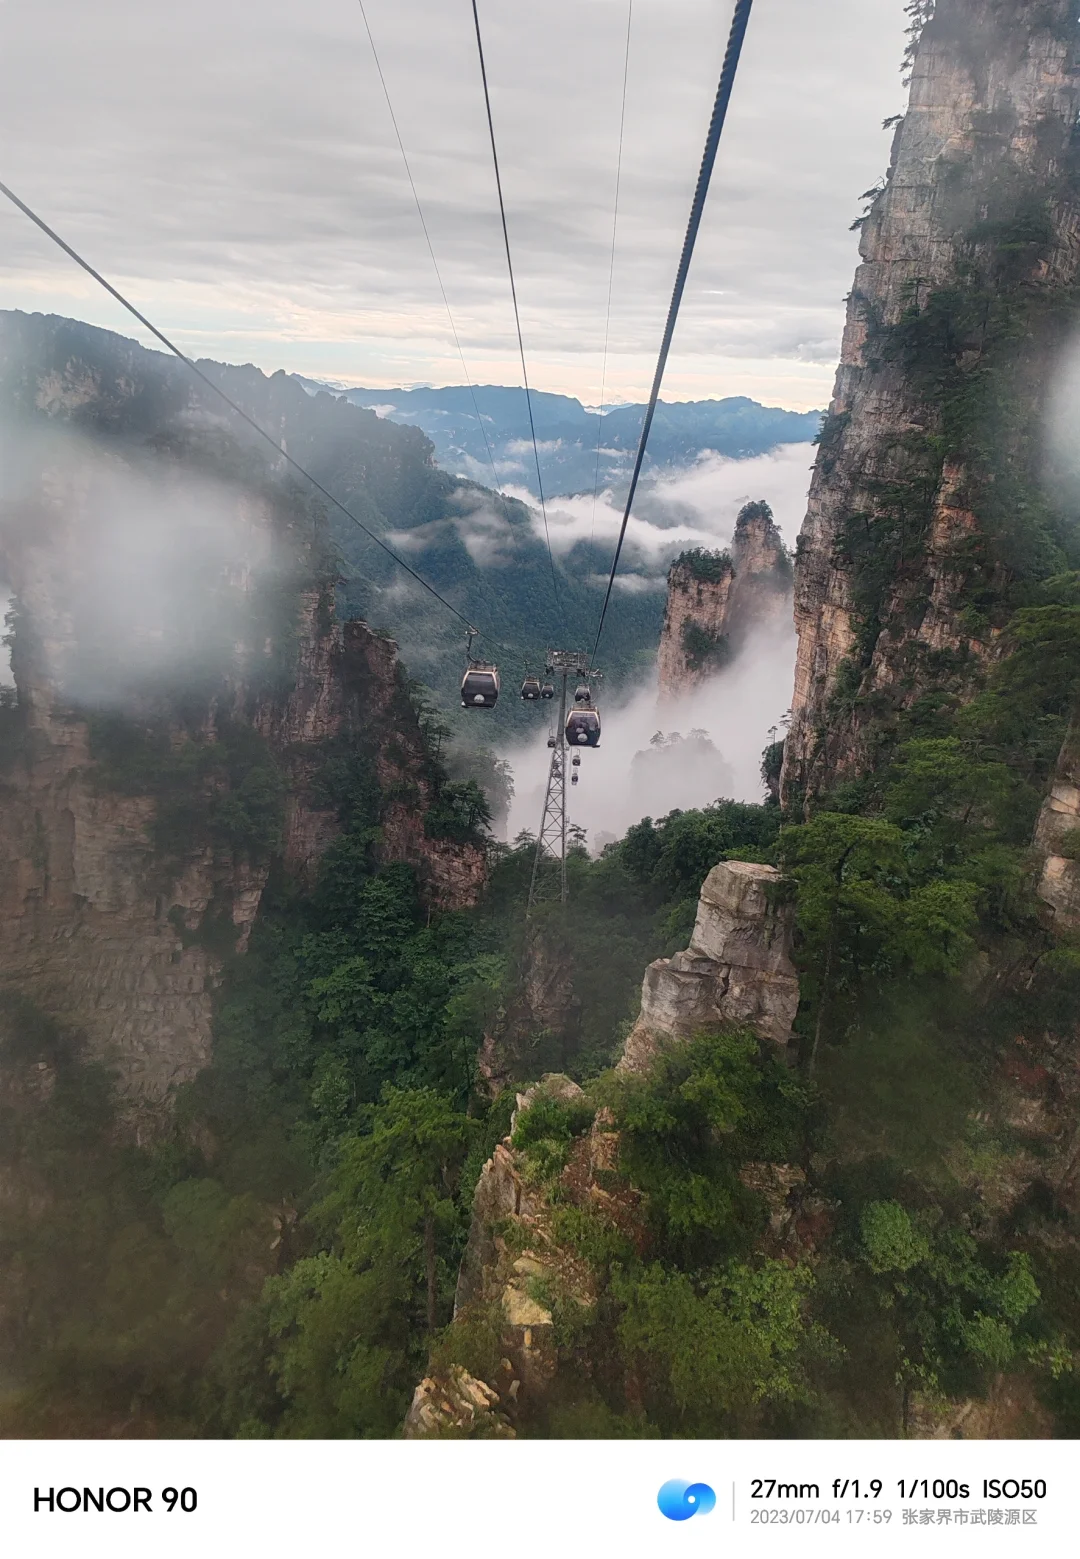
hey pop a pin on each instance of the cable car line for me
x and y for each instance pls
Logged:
(438, 277)
(712, 141)
(430, 246)
(513, 295)
(611, 269)
(218, 391)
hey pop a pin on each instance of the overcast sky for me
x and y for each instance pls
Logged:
(233, 167)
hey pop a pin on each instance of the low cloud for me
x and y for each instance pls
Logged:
(137, 578)
(722, 727)
(628, 584)
(695, 506)
(524, 446)
(6, 677)
(488, 536)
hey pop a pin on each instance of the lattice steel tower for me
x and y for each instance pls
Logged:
(551, 840)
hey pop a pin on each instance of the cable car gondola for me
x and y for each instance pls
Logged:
(480, 686)
(530, 689)
(548, 690)
(583, 693)
(583, 727)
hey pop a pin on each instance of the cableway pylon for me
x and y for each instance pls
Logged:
(551, 840)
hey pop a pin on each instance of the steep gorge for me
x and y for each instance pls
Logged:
(932, 1204)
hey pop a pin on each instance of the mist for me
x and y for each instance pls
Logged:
(1061, 446)
(138, 577)
(694, 506)
(7, 678)
(627, 778)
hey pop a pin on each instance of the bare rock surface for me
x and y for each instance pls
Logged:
(752, 589)
(994, 99)
(1057, 838)
(737, 968)
(455, 1405)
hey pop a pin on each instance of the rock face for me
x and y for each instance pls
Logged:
(1057, 838)
(455, 1406)
(737, 969)
(514, 1272)
(715, 600)
(987, 140)
(517, 1274)
(110, 930)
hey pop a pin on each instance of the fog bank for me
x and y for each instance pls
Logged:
(137, 575)
(627, 777)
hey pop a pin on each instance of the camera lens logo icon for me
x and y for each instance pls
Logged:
(679, 1500)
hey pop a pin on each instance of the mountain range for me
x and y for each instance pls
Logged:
(570, 434)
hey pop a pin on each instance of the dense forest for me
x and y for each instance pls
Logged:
(283, 1260)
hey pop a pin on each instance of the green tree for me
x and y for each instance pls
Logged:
(849, 872)
(343, 1330)
(712, 1350)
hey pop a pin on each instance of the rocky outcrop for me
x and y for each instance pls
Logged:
(516, 1273)
(737, 969)
(519, 1272)
(221, 638)
(898, 527)
(1057, 838)
(456, 1406)
(715, 600)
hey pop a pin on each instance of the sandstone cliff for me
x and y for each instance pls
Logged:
(519, 1273)
(715, 600)
(181, 685)
(737, 969)
(1057, 839)
(910, 542)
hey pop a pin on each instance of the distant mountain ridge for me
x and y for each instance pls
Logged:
(568, 432)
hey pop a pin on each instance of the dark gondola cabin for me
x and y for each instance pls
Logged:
(583, 693)
(583, 728)
(530, 689)
(480, 688)
(548, 690)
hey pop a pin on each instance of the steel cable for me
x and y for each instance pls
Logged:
(513, 295)
(430, 246)
(716, 124)
(218, 391)
(611, 268)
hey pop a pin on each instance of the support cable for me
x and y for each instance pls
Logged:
(712, 141)
(218, 391)
(513, 295)
(611, 269)
(430, 246)
(488, 606)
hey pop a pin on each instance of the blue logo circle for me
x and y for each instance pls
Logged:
(679, 1500)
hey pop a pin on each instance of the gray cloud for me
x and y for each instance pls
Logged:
(152, 569)
(234, 167)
